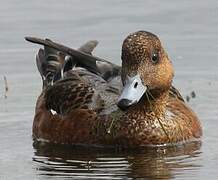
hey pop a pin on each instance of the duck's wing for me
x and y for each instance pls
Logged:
(174, 93)
(83, 57)
(88, 47)
(71, 93)
(83, 90)
(105, 69)
(52, 63)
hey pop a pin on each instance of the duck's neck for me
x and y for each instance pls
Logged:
(153, 104)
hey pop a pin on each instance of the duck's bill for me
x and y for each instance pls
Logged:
(133, 91)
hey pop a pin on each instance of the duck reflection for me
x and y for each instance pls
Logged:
(165, 162)
(97, 163)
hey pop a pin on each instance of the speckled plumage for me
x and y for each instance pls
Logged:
(85, 103)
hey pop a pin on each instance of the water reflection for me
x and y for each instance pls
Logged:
(83, 162)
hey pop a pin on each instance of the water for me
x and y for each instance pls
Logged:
(188, 30)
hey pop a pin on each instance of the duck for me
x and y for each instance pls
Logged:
(86, 100)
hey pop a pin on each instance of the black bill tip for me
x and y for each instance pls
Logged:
(124, 104)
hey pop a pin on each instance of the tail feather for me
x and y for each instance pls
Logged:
(55, 63)
(49, 62)
(40, 60)
(88, 47)
(106, 69)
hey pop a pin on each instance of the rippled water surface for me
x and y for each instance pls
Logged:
(188, 30)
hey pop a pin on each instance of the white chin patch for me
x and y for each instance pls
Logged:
(53, 112)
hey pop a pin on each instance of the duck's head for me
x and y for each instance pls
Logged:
(145, 67)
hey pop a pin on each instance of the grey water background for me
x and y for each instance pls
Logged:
(188, 30)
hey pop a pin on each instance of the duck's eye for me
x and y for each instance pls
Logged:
(155, 57)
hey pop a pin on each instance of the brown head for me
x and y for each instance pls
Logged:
(145, 66)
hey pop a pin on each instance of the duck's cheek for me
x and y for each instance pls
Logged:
(163, 81)
(133, 91)
(164, 75)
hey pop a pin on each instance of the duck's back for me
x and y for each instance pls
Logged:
(82, 89)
